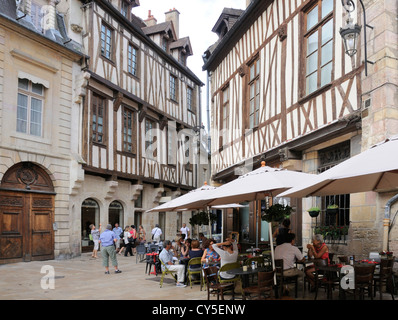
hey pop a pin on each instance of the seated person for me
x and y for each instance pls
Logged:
(195, 251)
(228, 252)
(209, 254)
(317, 250)
(185, 248)
(167, 257)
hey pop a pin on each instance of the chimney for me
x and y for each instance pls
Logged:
(174, 16)
(150, 21)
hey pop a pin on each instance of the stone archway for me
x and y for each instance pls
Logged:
(26, 214)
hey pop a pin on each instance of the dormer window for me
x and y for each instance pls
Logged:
(125, 9)
(164, 44)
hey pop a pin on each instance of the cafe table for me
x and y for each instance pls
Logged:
(304, 263)
(245, 274)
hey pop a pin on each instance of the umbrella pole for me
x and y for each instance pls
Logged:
(208, 216)
(271, 241)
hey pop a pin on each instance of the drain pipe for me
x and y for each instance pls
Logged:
(386, 221)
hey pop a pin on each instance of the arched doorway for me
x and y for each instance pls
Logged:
(89, 215)
(116, 214)
(26, 214)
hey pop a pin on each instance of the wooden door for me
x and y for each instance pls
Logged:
(26, 214)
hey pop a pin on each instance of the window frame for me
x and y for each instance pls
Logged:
(129, 147)
(149, 143)
(111, 45)
(254, 81)
(122, 7)
(173, 85)
(131, 64)
(318, 28)
(30, 95)
(94, 111)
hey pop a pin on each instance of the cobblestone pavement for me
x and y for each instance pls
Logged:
(84, 278)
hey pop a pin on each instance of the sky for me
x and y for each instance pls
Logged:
(197, 18)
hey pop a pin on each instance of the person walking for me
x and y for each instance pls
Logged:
(107, 240)
(127, 243)
(118, 231)
(141, 234)
(134, 235)
(95, 233)
(156, 233)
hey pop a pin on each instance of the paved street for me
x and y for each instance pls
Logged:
(83, 278)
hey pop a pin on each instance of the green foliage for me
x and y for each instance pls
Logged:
(333, 232)
(332, 206)
(202, 218)
(276, 213)
(314, 209)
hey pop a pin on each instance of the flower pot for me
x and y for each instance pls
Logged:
(313, 214)
(332, 212)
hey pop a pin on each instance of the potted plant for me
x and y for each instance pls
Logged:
(314, 212)
(276, 213)
(332, 209)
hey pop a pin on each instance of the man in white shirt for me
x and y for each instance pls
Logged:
(185, 230)
(156, 233)
(290, 254)
(167, 258)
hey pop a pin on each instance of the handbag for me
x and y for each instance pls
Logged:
(131, 240)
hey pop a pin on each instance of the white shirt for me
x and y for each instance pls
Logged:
(157, 232)
(185, 231)
(289, 254)
(227, 257)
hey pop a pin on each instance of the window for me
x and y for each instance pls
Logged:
(164, 44)
(106, 41)
(125, 9)
(37, 15)
(132, 60)
(30, 107)
(98, 115)
(328, 158)
(225, 116)
(129, 133)
(319, 45)
(190, 101)
(254, 93)
(173, 88)
(171, 144)
(150, 139)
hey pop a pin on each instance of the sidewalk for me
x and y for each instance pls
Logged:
(83, 278)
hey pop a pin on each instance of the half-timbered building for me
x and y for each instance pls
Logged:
(136, 120)
(284, 91)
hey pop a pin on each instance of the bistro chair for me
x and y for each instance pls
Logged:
(166, 271)
(214, 286)
(226, 267)
(385, 277)
(325, 279)
(195, 268)
(153, 248)
(265, 286)
(283, 279)
(141, 252)
(363, 275)
(150, 261)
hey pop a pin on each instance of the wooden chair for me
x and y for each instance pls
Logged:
(166, 271)
(324, 279)
(283, 279)
(363, 275)
(197, 270)
(385, 277)
(214, 286)
(226, 267)
(265, 286)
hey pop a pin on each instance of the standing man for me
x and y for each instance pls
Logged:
(156, 233)
(107, 240)
(185, 230)
(118, 231)
(167, 257)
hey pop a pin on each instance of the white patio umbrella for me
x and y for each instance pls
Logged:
(375, 169)
(189, 201)
(256, 185)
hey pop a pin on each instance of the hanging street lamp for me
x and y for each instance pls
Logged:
(350, 32)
